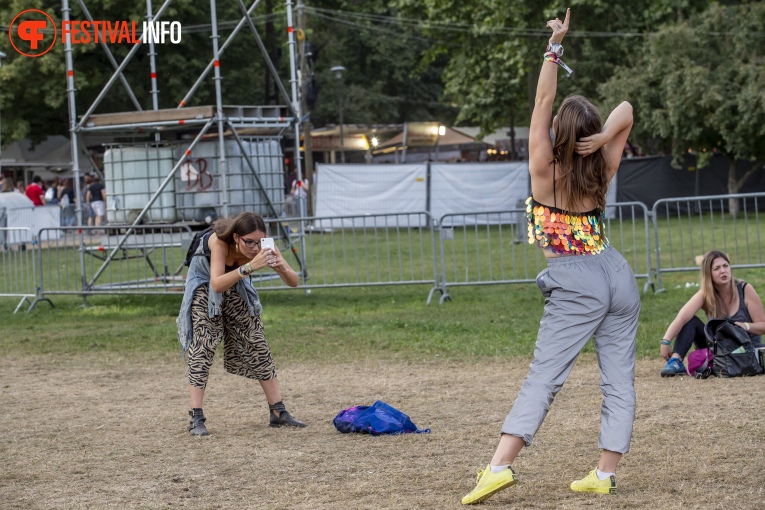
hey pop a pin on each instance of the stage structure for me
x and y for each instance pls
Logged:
(229, 120)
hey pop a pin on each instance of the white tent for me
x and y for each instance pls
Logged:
(49, 158)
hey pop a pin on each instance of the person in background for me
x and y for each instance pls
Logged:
(221, 304)
(20, 187)
(59, 188)
(35, 191)
(96, 198)
(51, 192)
(721, 296)
(66, 200)
(6, 185)
(589, 288)
(87, 211)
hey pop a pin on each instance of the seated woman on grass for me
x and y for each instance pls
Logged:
(721, 296)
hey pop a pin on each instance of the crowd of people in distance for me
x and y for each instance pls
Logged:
(61, 192)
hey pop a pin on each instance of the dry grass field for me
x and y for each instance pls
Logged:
(107, 431)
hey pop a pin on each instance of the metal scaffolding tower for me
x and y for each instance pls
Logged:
(158, 120)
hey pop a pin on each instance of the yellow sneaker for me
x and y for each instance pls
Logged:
(488, 484)
(591, 483)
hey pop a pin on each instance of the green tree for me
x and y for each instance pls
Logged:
(34, 89)
(494, 48)
(382, 84)
(698, 87)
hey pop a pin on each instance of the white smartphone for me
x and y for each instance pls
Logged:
(267, 243)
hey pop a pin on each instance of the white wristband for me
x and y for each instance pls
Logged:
(746, 324)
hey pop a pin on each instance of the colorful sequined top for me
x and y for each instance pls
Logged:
(563, 232)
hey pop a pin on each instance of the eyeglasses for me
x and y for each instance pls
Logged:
(250, 243)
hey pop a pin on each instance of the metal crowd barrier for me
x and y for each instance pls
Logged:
(363, 250)
(628, 230)
(491, 248)
(686, 228)
(379, 249)
(143, 259)
(18, 270)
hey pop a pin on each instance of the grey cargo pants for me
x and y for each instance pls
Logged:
(585, 296)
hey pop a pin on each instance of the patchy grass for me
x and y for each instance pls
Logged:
(94, 408)
(335, 325)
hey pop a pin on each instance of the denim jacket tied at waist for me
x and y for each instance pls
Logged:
(199, 274)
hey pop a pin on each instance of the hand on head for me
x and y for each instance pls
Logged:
(589, 144)
(559, 27)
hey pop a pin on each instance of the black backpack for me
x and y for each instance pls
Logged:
(734, 354)
(195, 241)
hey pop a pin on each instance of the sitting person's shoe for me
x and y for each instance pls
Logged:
(591, 483)
(280, 416)
(488, 484)
(674, 367)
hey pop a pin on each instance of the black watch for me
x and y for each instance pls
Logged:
(556, 48)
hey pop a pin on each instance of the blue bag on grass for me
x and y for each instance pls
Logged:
(377, 419)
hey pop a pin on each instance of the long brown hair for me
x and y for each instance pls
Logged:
(713, 302)
(579, 177)
(242, 224)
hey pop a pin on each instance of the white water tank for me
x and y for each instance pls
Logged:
(199, 188)
(133, 174)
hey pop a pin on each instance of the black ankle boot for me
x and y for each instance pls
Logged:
(197, 423)
(280, 416)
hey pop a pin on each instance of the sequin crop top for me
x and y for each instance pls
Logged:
(563, 232)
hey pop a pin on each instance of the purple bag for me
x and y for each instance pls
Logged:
(700, 363)
(377, 419)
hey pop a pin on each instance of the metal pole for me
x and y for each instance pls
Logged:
(152, 60)
(342, 133)
(2, 56)
(339, 76)
(269, 203)
(296, 109)
(151, 201)
(73, 138)
(267, 57)
(111, 58)
(209, 67)
(153, 67)
(118, 72)
(306, 73)
(219, 112)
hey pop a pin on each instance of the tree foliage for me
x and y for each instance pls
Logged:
(382, 83)
(698, 87)
(494, 48)
(473, 61)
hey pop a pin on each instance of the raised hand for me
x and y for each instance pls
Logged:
(559, 27)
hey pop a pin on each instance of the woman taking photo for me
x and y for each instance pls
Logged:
(721, 297)
(589, 288)
(219, 303)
